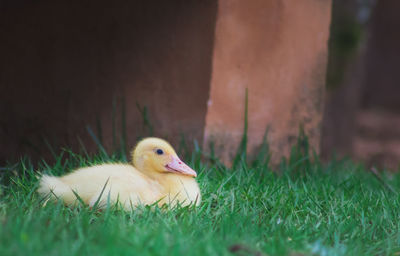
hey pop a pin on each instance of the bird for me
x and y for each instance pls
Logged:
(155, 176)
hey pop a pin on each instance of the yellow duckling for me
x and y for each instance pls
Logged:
(157, 175)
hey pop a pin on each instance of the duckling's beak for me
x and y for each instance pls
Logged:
(178, 166)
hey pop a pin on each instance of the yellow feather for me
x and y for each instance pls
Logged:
(143, 183)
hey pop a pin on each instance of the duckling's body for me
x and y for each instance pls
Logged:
(155, 178)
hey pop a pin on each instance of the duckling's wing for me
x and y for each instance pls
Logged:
(103, 184)
(128, 189)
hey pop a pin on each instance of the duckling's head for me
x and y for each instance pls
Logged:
(154, 156)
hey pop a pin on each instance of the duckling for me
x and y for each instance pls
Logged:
(156, 174)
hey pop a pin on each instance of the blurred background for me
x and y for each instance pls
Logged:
(72, 72)
(362, 114)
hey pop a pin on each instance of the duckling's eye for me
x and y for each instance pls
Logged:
(159, 151)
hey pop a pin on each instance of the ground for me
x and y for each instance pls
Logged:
(302, 207)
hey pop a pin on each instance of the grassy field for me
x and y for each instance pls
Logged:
(309, 208)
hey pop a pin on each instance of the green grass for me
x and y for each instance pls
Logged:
(310, 208)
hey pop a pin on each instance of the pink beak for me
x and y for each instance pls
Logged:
(178, 166)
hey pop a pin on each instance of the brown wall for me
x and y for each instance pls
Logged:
(382, 83)
(63, 62)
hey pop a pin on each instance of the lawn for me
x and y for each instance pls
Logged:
(303, 208)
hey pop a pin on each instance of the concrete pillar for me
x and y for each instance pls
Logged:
(278, 50)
